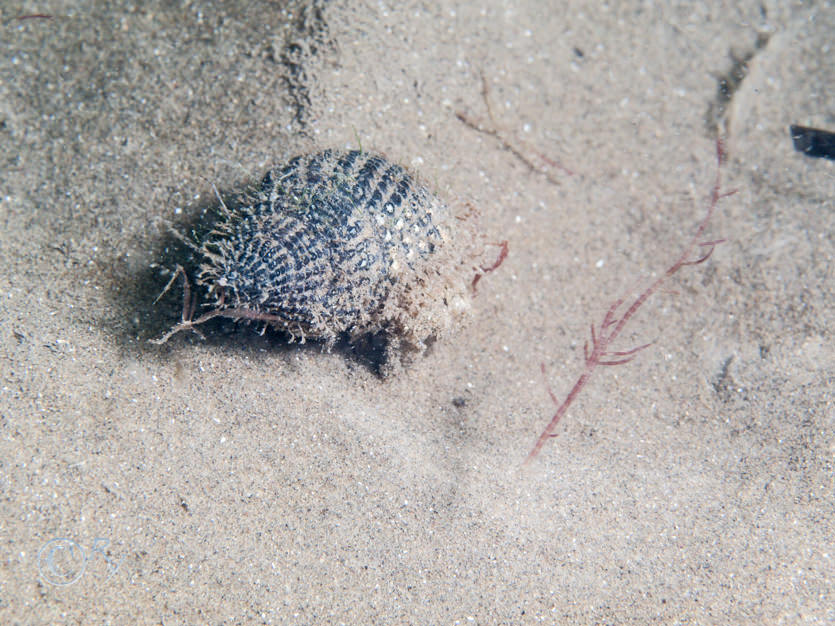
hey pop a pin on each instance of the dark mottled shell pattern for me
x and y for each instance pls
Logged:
(337, 241)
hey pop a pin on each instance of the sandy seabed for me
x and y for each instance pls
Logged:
(239, 479)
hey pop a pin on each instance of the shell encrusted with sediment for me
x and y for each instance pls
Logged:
(335, 242)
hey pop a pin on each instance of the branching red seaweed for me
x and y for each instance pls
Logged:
(614, 321)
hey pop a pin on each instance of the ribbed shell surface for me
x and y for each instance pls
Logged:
(325, 243)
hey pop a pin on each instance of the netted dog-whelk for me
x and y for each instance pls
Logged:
(333, 243)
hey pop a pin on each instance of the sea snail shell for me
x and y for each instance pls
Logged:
(334, 242)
